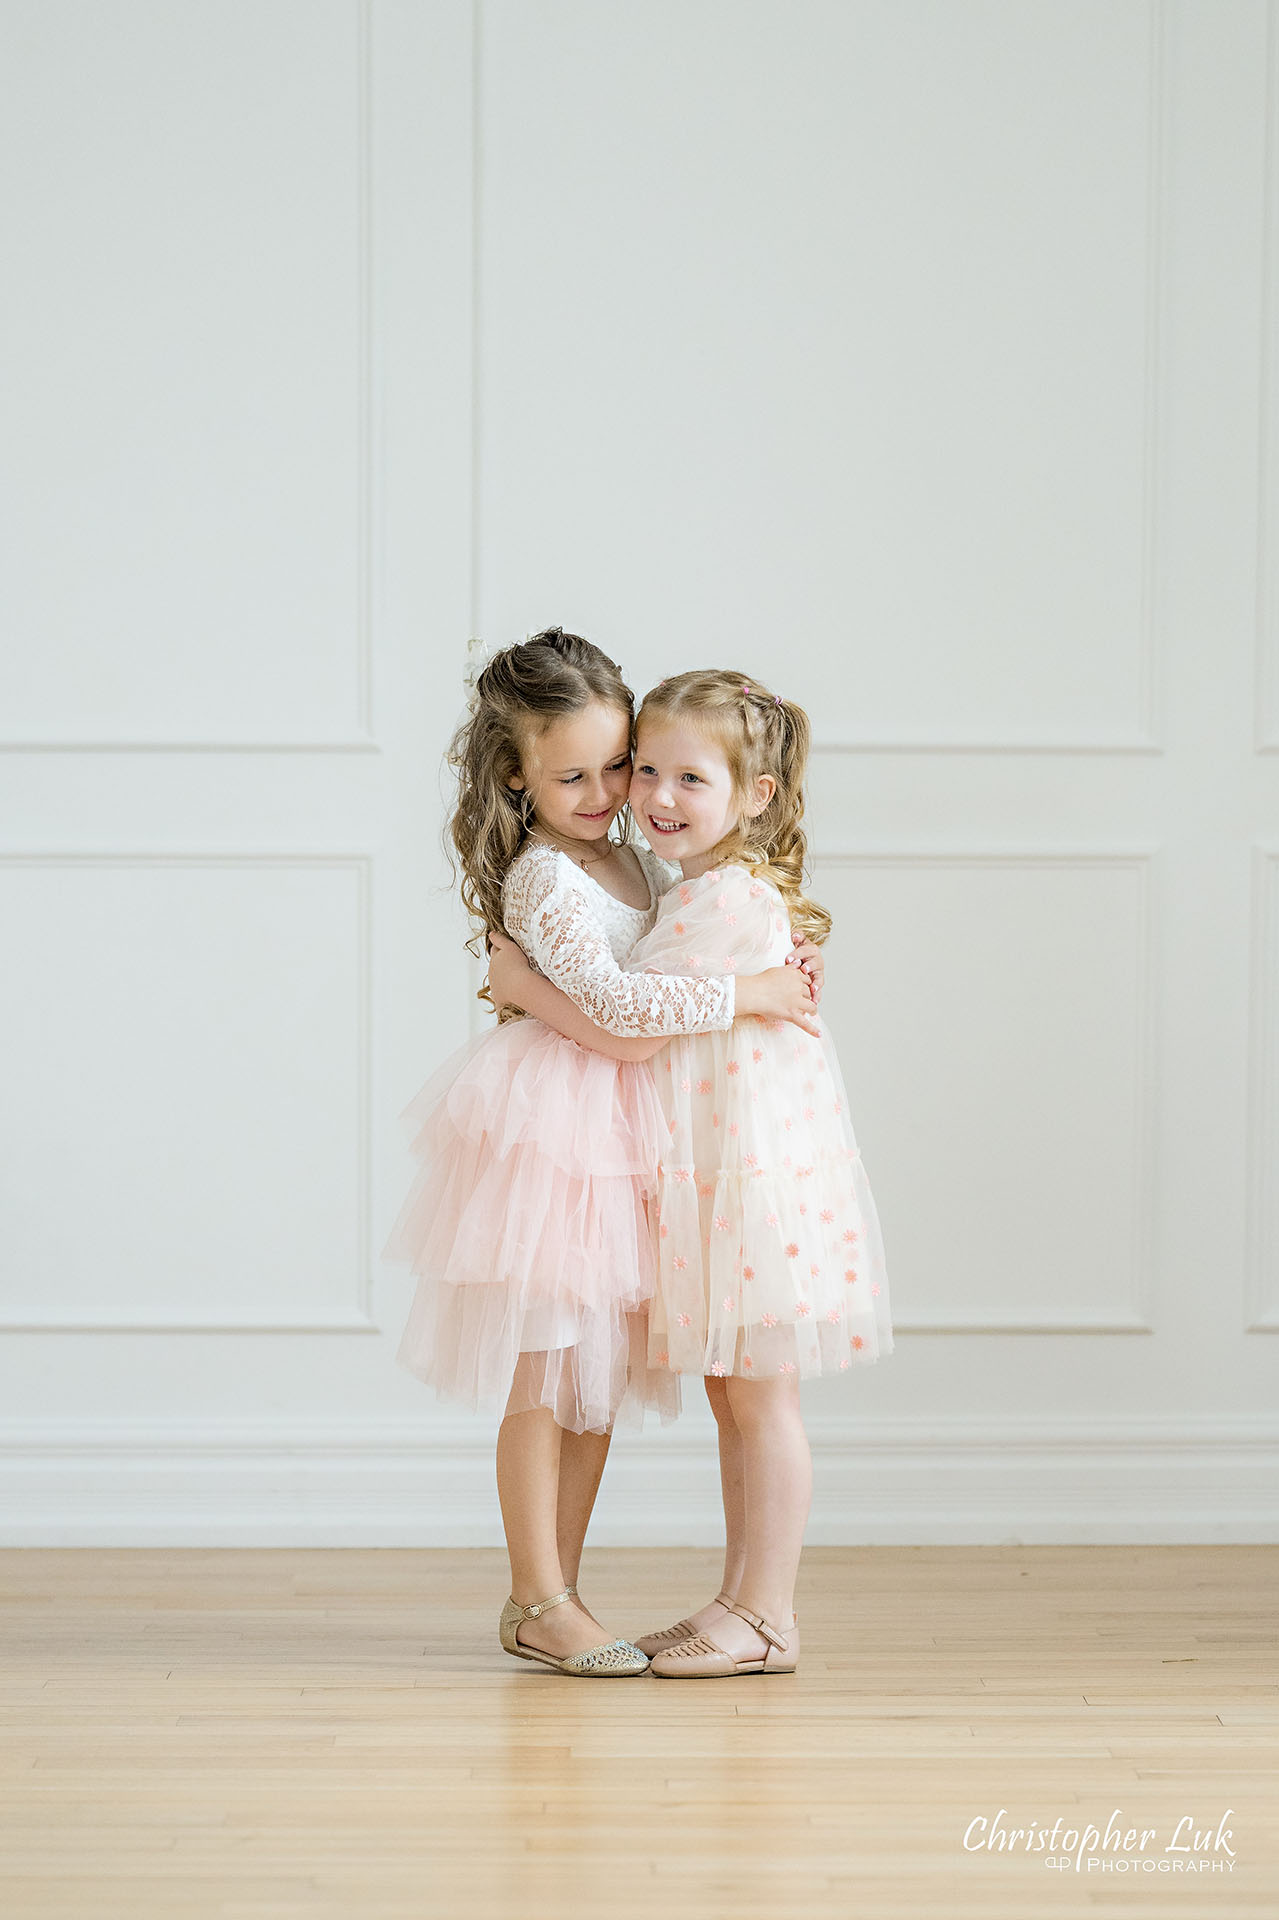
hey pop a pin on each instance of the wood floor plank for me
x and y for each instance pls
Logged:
(270, 1734)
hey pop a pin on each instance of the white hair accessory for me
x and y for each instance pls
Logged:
(478, 656)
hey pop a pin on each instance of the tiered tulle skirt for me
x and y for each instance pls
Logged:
(771, 1258)
(527, 1227)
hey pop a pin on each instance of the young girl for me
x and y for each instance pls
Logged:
(771, 1261)
(527, 1224)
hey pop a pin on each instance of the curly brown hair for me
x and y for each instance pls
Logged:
(759, 732)
(519, 694)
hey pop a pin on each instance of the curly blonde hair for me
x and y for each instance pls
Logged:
(520, 693)
(759, 732)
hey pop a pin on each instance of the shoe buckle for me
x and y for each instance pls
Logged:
(539, 1607)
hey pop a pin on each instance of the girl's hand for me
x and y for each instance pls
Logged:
(509, 971)
(780, 994)
(811, 960)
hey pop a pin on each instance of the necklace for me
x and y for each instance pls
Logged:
(584, 860)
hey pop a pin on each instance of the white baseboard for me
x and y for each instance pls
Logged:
(290, 1483)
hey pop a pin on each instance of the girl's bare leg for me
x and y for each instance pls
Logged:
(732, 1485)
(582, 1458)
(778, 1481)
(733, 1492)
(528, 1477)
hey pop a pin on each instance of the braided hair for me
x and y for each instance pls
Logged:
(759, 732)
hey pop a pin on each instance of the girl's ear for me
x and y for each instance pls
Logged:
(516, 782)
(765, 788)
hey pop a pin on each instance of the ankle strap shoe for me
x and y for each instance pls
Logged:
(701, 1658)
(612, 1659)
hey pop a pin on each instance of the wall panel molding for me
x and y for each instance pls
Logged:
(1145, 737)
(360, 1319)
(1139, 1317)
(1261, 1313)
(361, 739)
(1266, 680)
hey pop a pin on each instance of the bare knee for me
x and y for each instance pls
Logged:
(762, 1403)
(717, 1394)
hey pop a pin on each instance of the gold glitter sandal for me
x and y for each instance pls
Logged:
(611, 1660)
(652, 1643)
(700, 1658)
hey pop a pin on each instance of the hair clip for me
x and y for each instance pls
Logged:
(778, 698)
(479, 655)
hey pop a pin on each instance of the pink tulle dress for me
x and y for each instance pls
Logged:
(527, 1223)
(770, 1255)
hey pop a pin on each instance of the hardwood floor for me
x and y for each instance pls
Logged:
(259, 1735)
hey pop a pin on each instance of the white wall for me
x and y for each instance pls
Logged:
(919, 357)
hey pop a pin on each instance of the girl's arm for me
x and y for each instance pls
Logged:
(549, 916)
(513, 983)
(547, 912)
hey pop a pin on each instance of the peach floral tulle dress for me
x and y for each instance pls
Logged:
(528, 1223)
(770, 1256)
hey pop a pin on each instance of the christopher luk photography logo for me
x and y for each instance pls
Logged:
(1184, 1845)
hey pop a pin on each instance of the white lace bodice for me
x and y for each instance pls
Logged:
(578, 934)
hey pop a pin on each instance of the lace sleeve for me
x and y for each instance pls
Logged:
(550, 915)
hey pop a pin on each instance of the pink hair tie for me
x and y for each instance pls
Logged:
(778, 698)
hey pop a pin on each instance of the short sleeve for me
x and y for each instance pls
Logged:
(662, 874)
(548, 910)
(725, 921)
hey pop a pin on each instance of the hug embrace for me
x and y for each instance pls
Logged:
(647, 1169)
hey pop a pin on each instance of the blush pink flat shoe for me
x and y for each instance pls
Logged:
(701, 1658)
(651, 1643)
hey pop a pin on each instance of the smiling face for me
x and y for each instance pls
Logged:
(682, 792)
(577, 771)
